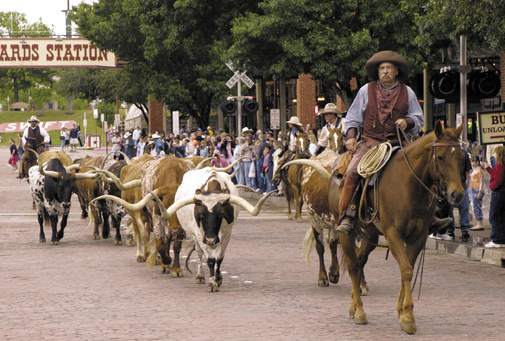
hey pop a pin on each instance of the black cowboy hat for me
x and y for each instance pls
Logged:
(377, 59)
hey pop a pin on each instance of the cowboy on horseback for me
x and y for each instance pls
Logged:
(295, 130)
(38, 133)
(379, 107)
(334, 122)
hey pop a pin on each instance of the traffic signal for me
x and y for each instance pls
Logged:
(480, 85)
(229, 107)
(483, 84)
(250, 106)
(445, 86)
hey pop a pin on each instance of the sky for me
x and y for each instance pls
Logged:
(50, 11)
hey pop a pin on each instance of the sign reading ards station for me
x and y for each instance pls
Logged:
(48, 52)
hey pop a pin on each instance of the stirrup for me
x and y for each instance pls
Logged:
(345, 227)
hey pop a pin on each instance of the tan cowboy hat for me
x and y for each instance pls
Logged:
(127, 135)
(295, 121)
(245, 130)
(33, 119)
(155, 136)
(377, 59)
(330, 108)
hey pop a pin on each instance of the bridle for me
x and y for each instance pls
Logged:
(433, 148)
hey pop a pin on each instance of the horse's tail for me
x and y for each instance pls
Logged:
(308, 245)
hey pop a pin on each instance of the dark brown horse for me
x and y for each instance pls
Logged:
(291, 176)
(406, 210)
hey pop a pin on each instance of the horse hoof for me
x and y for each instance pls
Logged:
(54, 243)
(130, 242)
(323, 282)
(42, 240)
(177, 272)
(200, 280)
(360, 318)
(96, 237)
(334, 278)
(141, 259)
(212, 288)
(299, 220)
(408, 327)
(165, 269)
(118, 242)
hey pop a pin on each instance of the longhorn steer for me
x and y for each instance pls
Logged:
(51, 190)
(207, 203)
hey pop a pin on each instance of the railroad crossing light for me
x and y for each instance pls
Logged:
(483, 84)
(250, 106)
(229, 108)
(445, 86)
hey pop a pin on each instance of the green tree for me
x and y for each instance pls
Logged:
(14, 24)
(330, 39)
(177, 46)
(481, 21)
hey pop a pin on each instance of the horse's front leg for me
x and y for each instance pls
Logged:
(356, 309)
(405, 303)
(363, 252)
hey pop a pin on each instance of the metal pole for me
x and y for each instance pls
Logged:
(239, 109)
(462, 92)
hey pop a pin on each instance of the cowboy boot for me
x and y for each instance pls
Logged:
(346, 224)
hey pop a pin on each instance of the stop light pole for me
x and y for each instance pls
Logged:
(462, 90)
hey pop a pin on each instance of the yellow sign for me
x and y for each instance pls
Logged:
(491, 127)
(48, 52)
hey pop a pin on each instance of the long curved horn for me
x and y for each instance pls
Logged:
(236, 200)
(132, 207)
(87, 175)
(126, 158)
(244, 187)
(311, 163)
(72, 167)
(52, 174)
(200, 165)
(235, 171)
(111, 178)
(105, 160)
(225, 169)
(174, 207)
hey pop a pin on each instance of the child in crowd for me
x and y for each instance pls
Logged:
(497, 210)
(267, 168)
(275, 158)
(477, 192)
(14, 155)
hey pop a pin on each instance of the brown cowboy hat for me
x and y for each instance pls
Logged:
(377, 59)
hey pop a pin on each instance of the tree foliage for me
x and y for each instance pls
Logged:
(330, 39)
(178, 47)
(481, 21)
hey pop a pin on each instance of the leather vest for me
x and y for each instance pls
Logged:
(373, 128)
(35, 133)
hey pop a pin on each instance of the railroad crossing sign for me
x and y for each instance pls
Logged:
(238, 76)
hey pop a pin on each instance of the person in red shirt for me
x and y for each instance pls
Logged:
(497, 209)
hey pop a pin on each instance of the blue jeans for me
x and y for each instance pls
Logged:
(477, 204)
(63, 145)
(259, 179)
(269, 175)
(497, 217)
(464, 214)
(247, 168)
(240, 173)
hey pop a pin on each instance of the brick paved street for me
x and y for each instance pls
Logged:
(92, 290)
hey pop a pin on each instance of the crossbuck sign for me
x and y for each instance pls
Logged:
(235, 78)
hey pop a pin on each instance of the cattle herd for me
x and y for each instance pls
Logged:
(166, 198)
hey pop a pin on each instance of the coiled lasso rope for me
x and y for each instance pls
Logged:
(374, 159)
(370, 164)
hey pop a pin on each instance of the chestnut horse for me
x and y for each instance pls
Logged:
(291, 176)
(406, 209)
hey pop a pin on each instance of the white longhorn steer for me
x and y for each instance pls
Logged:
(207, 203)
